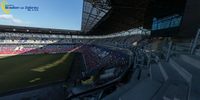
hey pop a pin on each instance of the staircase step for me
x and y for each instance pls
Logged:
(197, 53)
(191, 59)
(179, 92)
(142, 91)
(144, 74)
(182, 92)
(156, 73)
(170, 91)
(195, 87)
(194, 95)
(160, 93)
(173, 75)
(187, 76)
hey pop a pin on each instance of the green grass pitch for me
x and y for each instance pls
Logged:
(22, 71)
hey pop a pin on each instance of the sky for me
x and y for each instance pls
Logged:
(58, 14)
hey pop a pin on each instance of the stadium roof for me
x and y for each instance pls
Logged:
(101, 17)
(110, 16)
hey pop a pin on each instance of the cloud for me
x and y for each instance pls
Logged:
(10, 18)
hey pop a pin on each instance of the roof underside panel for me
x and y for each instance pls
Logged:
(93, 11)
(121, 15)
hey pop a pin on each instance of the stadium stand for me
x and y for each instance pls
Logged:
(123, 61)
(33, 49)
(102, 63)
(160, 65)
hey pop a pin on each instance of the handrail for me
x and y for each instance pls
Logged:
(101, 87)
(195, 41)
(157, 59)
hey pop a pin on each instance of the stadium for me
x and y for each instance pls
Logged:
(100, 50)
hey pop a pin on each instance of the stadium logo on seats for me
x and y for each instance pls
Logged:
(3, 5)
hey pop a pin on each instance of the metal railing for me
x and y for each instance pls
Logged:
(195, 42)
(169, 48)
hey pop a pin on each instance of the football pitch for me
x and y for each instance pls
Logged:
(23, 71)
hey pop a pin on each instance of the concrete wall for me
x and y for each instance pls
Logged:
(191, 19)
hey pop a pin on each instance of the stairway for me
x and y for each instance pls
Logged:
(191, 63)
(165, 83)
(144, 90)
(157, 73)
(177, 79)
(174, 86)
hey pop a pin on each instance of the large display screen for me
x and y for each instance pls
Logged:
(57, 14)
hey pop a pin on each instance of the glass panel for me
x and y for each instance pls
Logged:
(167, 22)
